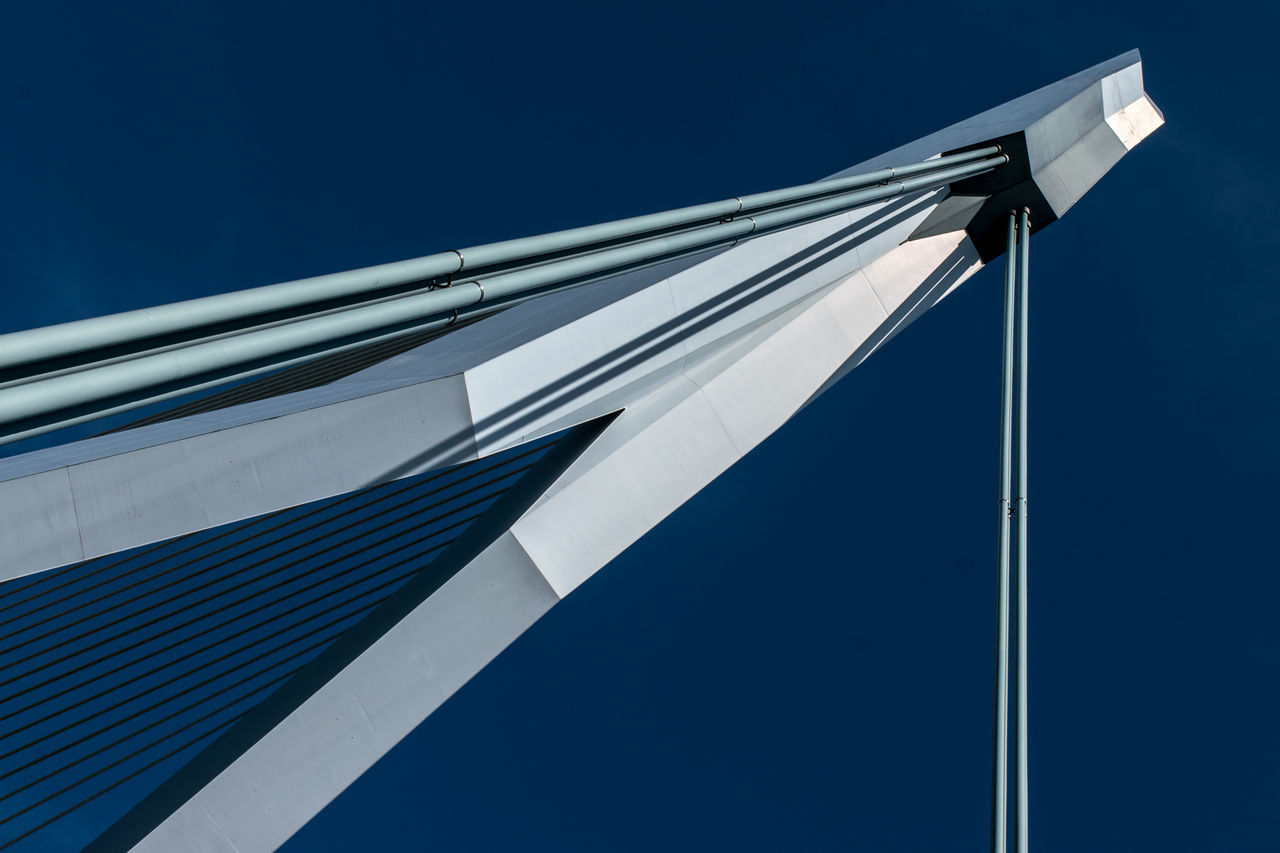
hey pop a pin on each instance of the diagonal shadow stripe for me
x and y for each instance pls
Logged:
(509, 422)
(253, 725)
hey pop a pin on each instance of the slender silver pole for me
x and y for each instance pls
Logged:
(1024, 247)
(1000, 763)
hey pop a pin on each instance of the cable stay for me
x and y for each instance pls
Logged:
(75, 372)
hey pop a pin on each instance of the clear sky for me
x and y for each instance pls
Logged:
(800, 658)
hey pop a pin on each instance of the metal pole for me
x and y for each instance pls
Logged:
(1000, 763)
(1024, 252)
(83, 336)
(124, 381)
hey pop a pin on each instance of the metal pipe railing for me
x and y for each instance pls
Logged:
(81, 336)
(39, 405)
(1000, 747)
(1021, 792)
(1017, 275)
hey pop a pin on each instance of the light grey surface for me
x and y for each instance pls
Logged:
(115, 502)
(41, 526)
(673, 441)
(1011, 117)
(1065, 125)
(952, 215)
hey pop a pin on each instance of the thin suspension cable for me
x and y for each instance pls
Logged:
(91, 564)
(162, 758)
(70, 575)
(187, 744)
(320, 542)
(39, 345)
(226, 656)
(325, 542)
(117, 724)
(177, 750)
(220, 676)
(1024, 270)
(262, 655)
(999, 787)
(151, 745)
(249, 525)
(192, 621)
(346, 617)
(229, 606)
(119, 386)
(271, 620)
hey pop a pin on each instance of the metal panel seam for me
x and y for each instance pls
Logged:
(71, 490)
(515, 535)
(214, 824)
(471, 415)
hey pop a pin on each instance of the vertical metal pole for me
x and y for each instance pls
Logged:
(1024, 252)
(1000, 763)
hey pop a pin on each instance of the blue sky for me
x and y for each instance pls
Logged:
(800, 658)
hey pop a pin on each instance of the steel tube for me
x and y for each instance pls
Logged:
(81, 336)
(796, 215)
(1000, 763)
(508, 284)
(171, 347)
(1024, 263)
(61, 419)
(760, 201)
(49, 395)
(33, 345)
(70, 390)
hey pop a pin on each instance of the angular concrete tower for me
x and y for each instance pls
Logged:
(217, 618)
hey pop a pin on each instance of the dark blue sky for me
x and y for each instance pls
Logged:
(800, 658)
